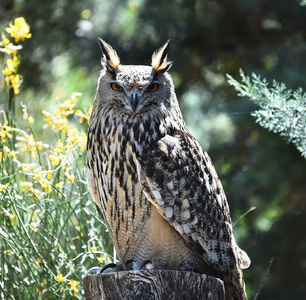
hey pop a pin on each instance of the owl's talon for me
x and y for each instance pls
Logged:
(129, 264)
(97, 270)
(192, 267)
(108, 266)
(143, 266)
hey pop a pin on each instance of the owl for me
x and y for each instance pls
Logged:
(153, 185)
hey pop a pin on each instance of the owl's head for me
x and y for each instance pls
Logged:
(135, 89)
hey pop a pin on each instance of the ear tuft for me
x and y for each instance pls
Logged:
(109, 56)
(159, 59)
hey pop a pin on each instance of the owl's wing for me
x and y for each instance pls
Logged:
(178, 177)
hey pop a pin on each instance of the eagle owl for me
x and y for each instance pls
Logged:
(154, 186)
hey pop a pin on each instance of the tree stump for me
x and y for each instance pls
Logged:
(153, 285)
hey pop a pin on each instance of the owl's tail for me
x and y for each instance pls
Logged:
(234, 285)
(233, 277)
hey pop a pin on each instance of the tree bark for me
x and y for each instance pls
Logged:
(153, 285)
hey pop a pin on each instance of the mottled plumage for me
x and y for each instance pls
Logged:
(154, 186)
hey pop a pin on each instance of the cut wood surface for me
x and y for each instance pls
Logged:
(153, 285)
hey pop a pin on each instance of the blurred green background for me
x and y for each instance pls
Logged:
(208, 40)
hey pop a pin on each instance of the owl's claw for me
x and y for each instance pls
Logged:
(143, 266)
(97, 270)
(129, 264)
(192, 267)
(108, 266)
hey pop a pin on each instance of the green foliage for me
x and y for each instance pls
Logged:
(50, 233)
(282, 111)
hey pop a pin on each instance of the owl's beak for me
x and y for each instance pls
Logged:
(134, 99)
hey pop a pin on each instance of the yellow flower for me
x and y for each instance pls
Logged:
(4, 186)
(37, 192)
(48, 119)
(101, 259)
(59, 147)
(38, 174)
(27, 167)
(94, 249)
(14, 82)
(40, 145)
(5, 132)
(12, 49)
(33, 226)
(11, 66)
(49, 174)
(31, 120)
(13, 154)
(73, 286)
(60, 278)
(20, 30)
(70, 177)
(55, 160)
(38, 260)
(27, 186)
(12, 217)
(6, 151)
(41, 288)
(80, 114)
(45, 184)
(5, 41)
(59, 185)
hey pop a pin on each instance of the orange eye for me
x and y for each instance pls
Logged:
(153, 87)
(116, 87)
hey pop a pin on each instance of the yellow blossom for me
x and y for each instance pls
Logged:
(33, 226)
(27, 186)
(54, 159)
(37, 192)
(94, 249)
(59, 147)
(6, 151)
(12, 217)
(46, 185)
(101, 259)
(4, 186)
(80, 114)
(31, 120)
(73, 286)
(5, 132)
(38, 174)
(13, 154)
(5, 41)
(49, 174)
(48, 119)
(13, 81)
(38, 260)
(11, 66)
(20, 30)
(70, 178)
(41, 287)
(12, 49)
(59, 185)
(27, 167)
(60, 278)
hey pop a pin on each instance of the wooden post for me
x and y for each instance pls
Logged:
(153, 285)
